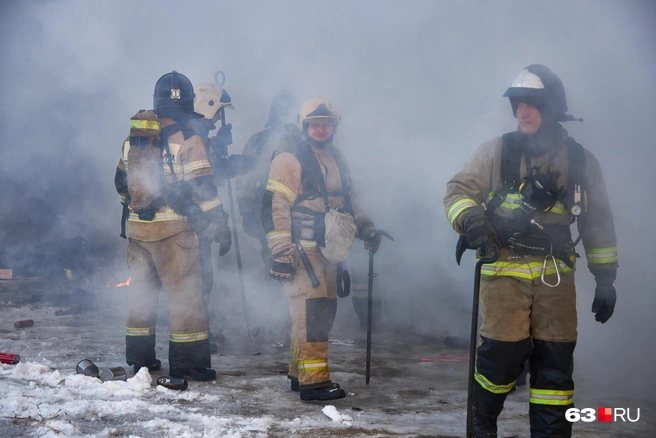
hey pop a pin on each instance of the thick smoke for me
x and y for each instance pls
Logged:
(419, 85)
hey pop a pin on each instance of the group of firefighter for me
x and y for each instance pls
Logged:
(513, 202)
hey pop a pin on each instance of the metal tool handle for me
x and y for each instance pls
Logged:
(491, 258)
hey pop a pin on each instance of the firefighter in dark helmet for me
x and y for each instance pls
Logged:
(518, 195)
(310, 193)
(251, 187)
(170, 199)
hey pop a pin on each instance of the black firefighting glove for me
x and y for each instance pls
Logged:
(222, 140)
(282, 271)
(480, 232)
(371, 238)
(603, 305)
(223, 237)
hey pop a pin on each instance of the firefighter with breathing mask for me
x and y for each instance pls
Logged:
(311, 215)
(534, 183)
(211, 101)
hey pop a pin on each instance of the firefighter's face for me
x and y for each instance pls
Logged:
(320, 131)
(529, 118)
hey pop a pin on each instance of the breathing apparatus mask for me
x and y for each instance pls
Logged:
(203, 127)
(538, 192)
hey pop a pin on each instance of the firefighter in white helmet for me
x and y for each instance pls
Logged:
(309, 192)
(534, 183)
(211, 101)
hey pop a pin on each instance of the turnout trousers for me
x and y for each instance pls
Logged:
(525, 319)
(312, 311)
(173, 263)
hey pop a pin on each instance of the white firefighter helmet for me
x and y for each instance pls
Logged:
(210, 98)
(318, 109)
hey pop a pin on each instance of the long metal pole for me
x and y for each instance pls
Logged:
(236, 239)
(472, 340)
(369, 315)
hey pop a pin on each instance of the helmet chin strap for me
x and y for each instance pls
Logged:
(319, 144)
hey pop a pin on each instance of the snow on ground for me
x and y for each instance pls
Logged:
(42, 396)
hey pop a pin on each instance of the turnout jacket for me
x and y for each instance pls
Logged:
(285, 185)
(190, 164)
(481, 177)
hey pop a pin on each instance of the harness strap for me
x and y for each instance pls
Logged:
(314, 185)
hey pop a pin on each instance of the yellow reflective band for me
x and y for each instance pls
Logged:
(551, 397)
(293, 357)
(312, 365)
(208, 205)
(167, 215)
(278, 187)
(601, 255)
(177, 169)
(559, 208)
(274, 236)
(513, 201)
(458, 207)
(489, 386)
(195, 165)
(308, 243)
(145, 124)
(188, 337)
(529, 271)
(139, 331)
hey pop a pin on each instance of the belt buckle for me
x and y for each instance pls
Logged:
(511, 241)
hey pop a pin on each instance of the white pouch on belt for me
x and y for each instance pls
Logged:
(340, 234)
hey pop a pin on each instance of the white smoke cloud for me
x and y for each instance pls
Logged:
(419, 85)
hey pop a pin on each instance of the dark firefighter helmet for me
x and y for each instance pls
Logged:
(174, 93)
(284, 106)
(540, 87)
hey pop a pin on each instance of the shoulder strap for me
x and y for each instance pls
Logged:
(345, 176)
(511, 156)
(164, 135)
(311, 176)
(576, 159)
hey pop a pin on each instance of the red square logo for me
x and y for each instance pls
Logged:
(605, 415)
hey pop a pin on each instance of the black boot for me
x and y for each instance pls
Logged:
(200, 374)
(153, 367)
(485, 426)
(325, 393)
(294, 384)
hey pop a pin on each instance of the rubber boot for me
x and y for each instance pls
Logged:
(485, 426)
(294, 384)
(153, 367)
(325, 393)
(200, 374)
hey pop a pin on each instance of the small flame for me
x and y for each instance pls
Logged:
(127, 283)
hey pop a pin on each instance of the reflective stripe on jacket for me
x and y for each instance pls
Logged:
(480, 178)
